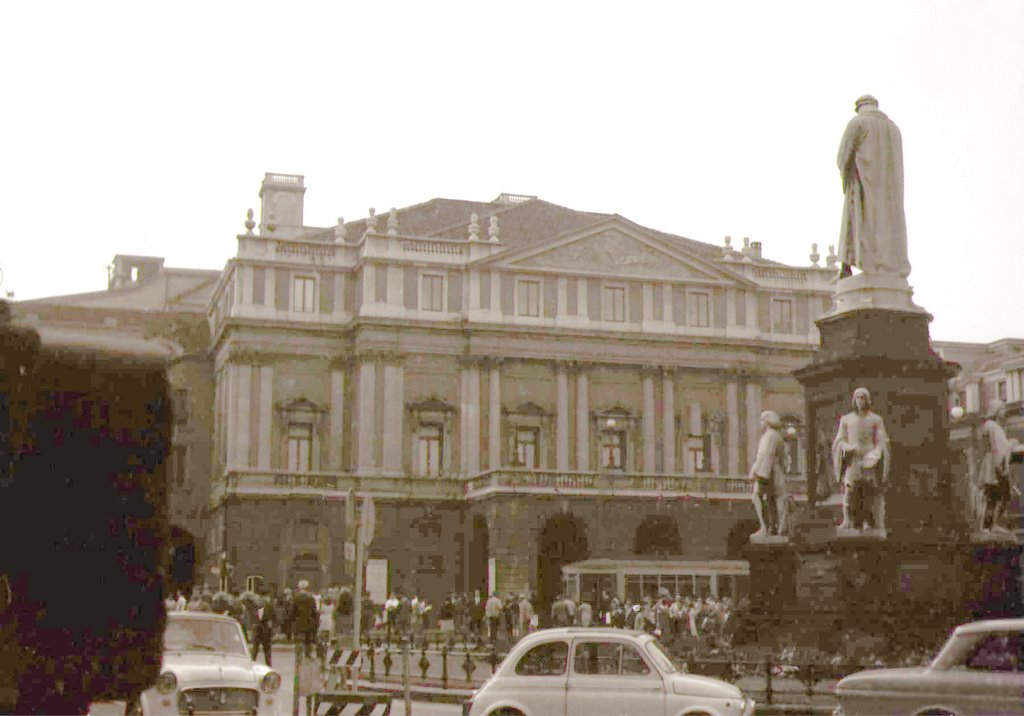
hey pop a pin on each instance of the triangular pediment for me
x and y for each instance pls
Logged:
(614, 247)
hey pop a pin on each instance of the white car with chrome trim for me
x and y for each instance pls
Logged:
(207, 669)
(588, 671)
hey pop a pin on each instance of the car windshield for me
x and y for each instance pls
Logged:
(660, 657)
(204, 635)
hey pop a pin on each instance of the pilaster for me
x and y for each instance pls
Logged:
(394, 414)
(366, 415)
(649, 448)
(732, 418)
(668, 421)
(494, 416)
(561, 417)
(266, 413)
(582, 420)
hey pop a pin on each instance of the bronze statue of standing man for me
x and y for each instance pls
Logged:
(874, 230)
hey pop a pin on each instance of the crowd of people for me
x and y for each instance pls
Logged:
(707, 625)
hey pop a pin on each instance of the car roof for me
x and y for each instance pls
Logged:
(991, 625)
(207, 616)
(586, 631)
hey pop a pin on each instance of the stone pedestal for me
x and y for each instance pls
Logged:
(888, 352)
(905, 585)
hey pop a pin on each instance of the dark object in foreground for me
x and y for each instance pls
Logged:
(83, 437)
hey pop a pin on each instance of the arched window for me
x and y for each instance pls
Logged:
(658, 535)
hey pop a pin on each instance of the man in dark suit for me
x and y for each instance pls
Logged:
(266, 621)
(304, 617)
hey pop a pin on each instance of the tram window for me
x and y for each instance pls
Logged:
(703, 585)
(725, 585)
(633, 587)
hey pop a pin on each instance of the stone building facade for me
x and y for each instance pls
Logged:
(516, 383)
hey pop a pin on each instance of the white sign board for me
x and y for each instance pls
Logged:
(377, 580)
(492, 575)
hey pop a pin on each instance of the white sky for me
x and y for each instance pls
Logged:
(137, 129)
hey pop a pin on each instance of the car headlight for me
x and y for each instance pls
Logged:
(271, 682)
(166, 682)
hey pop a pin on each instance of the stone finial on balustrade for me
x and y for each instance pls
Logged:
(727, 250)
(250, 223)
(474, 227)
(831, 259)
(371, 222)
(393, 222)
(746, 251)
(340, 232)
(815, 256)
(493, 232)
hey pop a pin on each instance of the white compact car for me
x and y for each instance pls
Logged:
(207, 669)
(600, 672)
(980, 670)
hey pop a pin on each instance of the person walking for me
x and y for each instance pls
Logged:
(263, 632)
(303, 617)
(492, 610)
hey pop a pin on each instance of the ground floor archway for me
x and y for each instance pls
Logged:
(562, 539)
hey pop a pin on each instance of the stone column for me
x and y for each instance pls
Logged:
(230, 403)
(366, 416)
(582, 421)
(337, 420)
(732, 430)
(494, 417)
(561, 418)
(369, 284)
(243, 413)
(469, 419)
(753, 423)
(394, 413)
(668, 421)
(238, 287)
(266, 414)
(649, 422)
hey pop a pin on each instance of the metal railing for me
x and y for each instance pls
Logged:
(458, 663)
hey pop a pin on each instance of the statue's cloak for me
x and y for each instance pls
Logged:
(873, 236)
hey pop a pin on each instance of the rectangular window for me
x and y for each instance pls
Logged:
(698, 304)
(179, 465)
(613, 449)
(300, 447)
(430, 450)
(782, 315)
(528, 298)
(303, 294)
(182, 404)
(1001, 390)
(433, 292)
(527, 454)
(615, 303)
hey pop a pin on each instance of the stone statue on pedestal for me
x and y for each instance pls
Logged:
(769, 481)
(993, 473)
(874, 229)
(860, 456)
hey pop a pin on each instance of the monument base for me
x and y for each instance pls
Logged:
(904, 595)
(863, 291)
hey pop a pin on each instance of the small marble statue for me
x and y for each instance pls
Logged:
(860, 459)
(769, 479)
(874, 230)
(993, 472)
